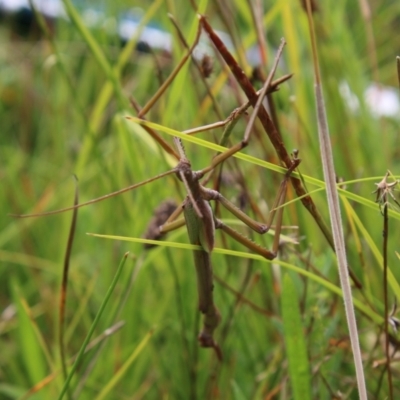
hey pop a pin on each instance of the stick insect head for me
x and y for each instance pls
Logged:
(184, 167)
(188, 177)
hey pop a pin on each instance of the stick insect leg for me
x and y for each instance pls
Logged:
(98, 199)
(172, 222)
(256, 226)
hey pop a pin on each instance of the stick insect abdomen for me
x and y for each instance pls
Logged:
(201, 232)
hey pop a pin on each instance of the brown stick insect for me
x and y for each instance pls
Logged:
(201, 224)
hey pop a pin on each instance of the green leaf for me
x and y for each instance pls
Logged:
(30, 346)
(237, 391)
(299, 368)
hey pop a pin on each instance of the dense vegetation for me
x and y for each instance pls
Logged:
(64, 96)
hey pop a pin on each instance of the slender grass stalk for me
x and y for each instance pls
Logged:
(124, 368)
(49, 378)
(334, 212)
(95, 49)
(108, 89)
(64, 287)
(366, 13)
(296, 349)
(93, 327)
(383, 191)
(385, 294)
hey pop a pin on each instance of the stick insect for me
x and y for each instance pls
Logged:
(201, 222)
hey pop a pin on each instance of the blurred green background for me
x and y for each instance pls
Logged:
(63, 101)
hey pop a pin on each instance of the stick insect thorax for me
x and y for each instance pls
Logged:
(203, 219)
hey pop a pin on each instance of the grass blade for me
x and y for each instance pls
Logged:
(377, 318)
(299, 368)
(92, 328)
(122, 371)
(334, 213)
(32, 353)
(64, 285)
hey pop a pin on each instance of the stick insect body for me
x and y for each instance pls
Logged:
(201, 224)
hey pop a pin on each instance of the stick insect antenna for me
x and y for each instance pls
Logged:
(107, 196)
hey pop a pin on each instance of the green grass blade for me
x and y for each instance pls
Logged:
(123, 370)
(93, 327)
(108, 89)
(377, 318)
(237, 391)
(90, 40)
(299, 368)
(31, 351)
